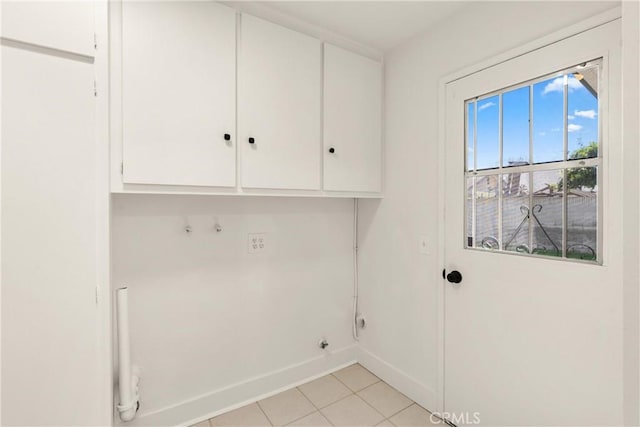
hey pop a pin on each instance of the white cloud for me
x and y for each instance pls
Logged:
(557, 85)
(542, 133)
(589, 114)
(570, 117)
(573, 127)
(486, 105)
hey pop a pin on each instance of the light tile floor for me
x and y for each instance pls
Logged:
(352, 396)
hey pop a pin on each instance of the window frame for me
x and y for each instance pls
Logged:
(560, 165)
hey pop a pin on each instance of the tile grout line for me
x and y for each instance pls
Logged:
(379, 381)
(305, 416)
(371, 406)
(350, 389)
(316, 409)
(264, 412)
(351, 393)
(335, 401)
(355, 393)
(395, 413)
(413, 404)
(327, 417)
(371, 385)
(307, 397)
(401, 410)
(313, 404)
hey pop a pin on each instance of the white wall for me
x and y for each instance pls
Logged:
(398, 283)
(206, 314)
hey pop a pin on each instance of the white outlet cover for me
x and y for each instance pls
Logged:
(257, 243)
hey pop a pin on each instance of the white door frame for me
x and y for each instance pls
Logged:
(569, 31)
(103, 212)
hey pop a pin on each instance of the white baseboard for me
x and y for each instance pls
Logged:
(207, 406)
(414, 390)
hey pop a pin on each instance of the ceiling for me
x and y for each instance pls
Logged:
(377, 24)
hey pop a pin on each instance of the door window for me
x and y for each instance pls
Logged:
(533, 166)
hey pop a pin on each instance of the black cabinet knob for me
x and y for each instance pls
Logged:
(332, 150)
(454, 277)
(252, 141)
(227, 137)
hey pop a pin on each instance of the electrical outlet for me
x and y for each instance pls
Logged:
(257, 243)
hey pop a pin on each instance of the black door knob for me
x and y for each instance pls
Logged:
(251, 140)
(332, 150)
(454, 277)
(227, 137)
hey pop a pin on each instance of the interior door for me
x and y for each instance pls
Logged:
(50, 369)
(352, 121)
(279, 106)
(532, 299)
(178, 79)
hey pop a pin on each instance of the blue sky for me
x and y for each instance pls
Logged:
(547, 123)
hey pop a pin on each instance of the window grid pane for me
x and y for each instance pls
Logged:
(515, 127)
(486, 218)
(487, 147)
(471, 120)
(515, 225)
(582, 213)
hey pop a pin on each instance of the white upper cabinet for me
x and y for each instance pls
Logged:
(62, 25)
(352, 122)
(175, 68)
(279, 107)
(178, 93)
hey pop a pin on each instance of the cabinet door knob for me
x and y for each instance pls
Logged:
(251, 140)
(332, 150)
(227, 137)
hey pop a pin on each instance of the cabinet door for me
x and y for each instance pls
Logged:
(62, 25)
(178, 93)
(50, 373)
(279, 107)
(352, 121)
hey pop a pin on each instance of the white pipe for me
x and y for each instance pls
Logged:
(127, 383)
